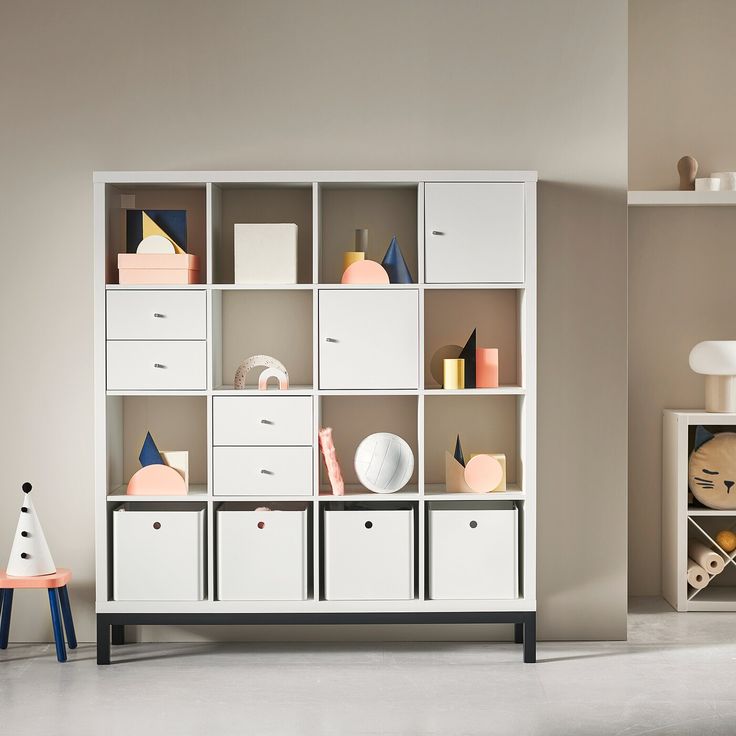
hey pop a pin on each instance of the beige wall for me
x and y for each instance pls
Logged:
(322, 84)
(681, 261)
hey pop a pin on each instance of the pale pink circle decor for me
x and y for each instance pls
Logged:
(483, 473)
(365, 272)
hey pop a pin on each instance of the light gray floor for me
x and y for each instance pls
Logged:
(675, 675)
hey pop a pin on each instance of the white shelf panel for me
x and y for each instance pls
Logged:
(264, 500)
(197, 492)
(714, 598)
(500, 391)
(369, 392)
(675, 198)
(479, 285)
(156, 287)
(437, 492)
(263, 287)
(228, 390)
(359, 493)
(312, 606)
(711, 512)
(173, 392)
(700, 416)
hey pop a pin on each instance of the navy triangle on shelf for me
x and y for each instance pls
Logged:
(459, 452)
(468, 354)
(149, 453)
(395, 265)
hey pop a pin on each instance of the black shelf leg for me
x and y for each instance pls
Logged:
(519, 633)
(530, 638)
(118, 634)
(103, 640)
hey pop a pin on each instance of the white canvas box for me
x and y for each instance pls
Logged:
(369, 555)
(261, 555)
(473, 550)
(158, 552)
(265, 253)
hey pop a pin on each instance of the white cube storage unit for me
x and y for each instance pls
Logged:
(473, 550)
(369, 555)
(360, 359)
(158, 552)
(262, 555)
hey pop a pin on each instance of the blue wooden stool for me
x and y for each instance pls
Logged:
(58, 601)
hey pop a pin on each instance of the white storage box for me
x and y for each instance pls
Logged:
(265, 253)
(369, 555)
(261, 555)
(158, 552)
(473, 550)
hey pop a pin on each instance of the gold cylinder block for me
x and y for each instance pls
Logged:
(453, 373)
(351, 256)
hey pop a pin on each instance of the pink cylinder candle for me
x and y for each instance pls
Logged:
(486, 368)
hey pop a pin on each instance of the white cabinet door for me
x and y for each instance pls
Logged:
(262, 420)
(156, 365)
(369, 339)
(474, 233)
(262, 471)
(168, 314)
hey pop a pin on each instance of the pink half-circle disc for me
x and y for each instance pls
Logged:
(483, 473)
(365, 272)
(157, 480)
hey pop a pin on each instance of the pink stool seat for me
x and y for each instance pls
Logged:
(57, 579)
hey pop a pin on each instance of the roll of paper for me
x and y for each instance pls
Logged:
(727, 178)
(696, 576)
(710, 560)
(707, 184)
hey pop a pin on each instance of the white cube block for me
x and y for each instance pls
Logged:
(369, 555)
(265, 253)
(261, 555)
(473, 551)
(158, 552)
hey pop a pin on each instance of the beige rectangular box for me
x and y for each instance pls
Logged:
(265, 253)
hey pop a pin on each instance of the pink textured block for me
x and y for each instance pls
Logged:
(157, 480)
(483, 473)
(333, 466)
(158, 268)
(486, 368)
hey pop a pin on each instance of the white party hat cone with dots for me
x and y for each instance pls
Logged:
(30, 554)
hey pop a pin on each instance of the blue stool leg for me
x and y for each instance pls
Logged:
(56, 621)
(66, 614)
(5, 617)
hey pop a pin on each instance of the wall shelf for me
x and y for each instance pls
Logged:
(676, 198)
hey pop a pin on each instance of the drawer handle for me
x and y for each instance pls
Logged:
(159, 315)
(473, 524)
(437, 232)
(261, 524)
(159, 365)
(369, 525)
(331, 339)
(266, 421)
(156, 525)
(266, 472)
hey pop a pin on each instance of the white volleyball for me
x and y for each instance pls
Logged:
(384, 462)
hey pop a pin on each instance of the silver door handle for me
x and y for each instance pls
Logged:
(159, 315)
(159, 365)
(437, 232)
(331, 339)
(266, 421)
(266, 472)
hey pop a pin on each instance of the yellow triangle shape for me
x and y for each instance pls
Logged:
(151, 228)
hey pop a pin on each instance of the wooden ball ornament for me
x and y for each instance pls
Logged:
(726, 540)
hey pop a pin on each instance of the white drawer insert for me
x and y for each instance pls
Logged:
(156, 315)
(156, 365)
(262, 471)
(262, 420)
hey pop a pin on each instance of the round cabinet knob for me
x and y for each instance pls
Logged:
(473, 524)
(261, 524)
(369, 525)
(159, 315)
(437, 232)
(157, 525)
(159, 365)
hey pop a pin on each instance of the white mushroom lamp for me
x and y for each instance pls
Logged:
(716, 360)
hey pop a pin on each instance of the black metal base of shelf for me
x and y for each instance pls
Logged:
(525, 623)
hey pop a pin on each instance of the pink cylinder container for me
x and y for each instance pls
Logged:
(486, 368)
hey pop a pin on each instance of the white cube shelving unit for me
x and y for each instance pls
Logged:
(682, 521)
(359, 360)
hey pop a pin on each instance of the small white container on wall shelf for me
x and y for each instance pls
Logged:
(265, 253)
